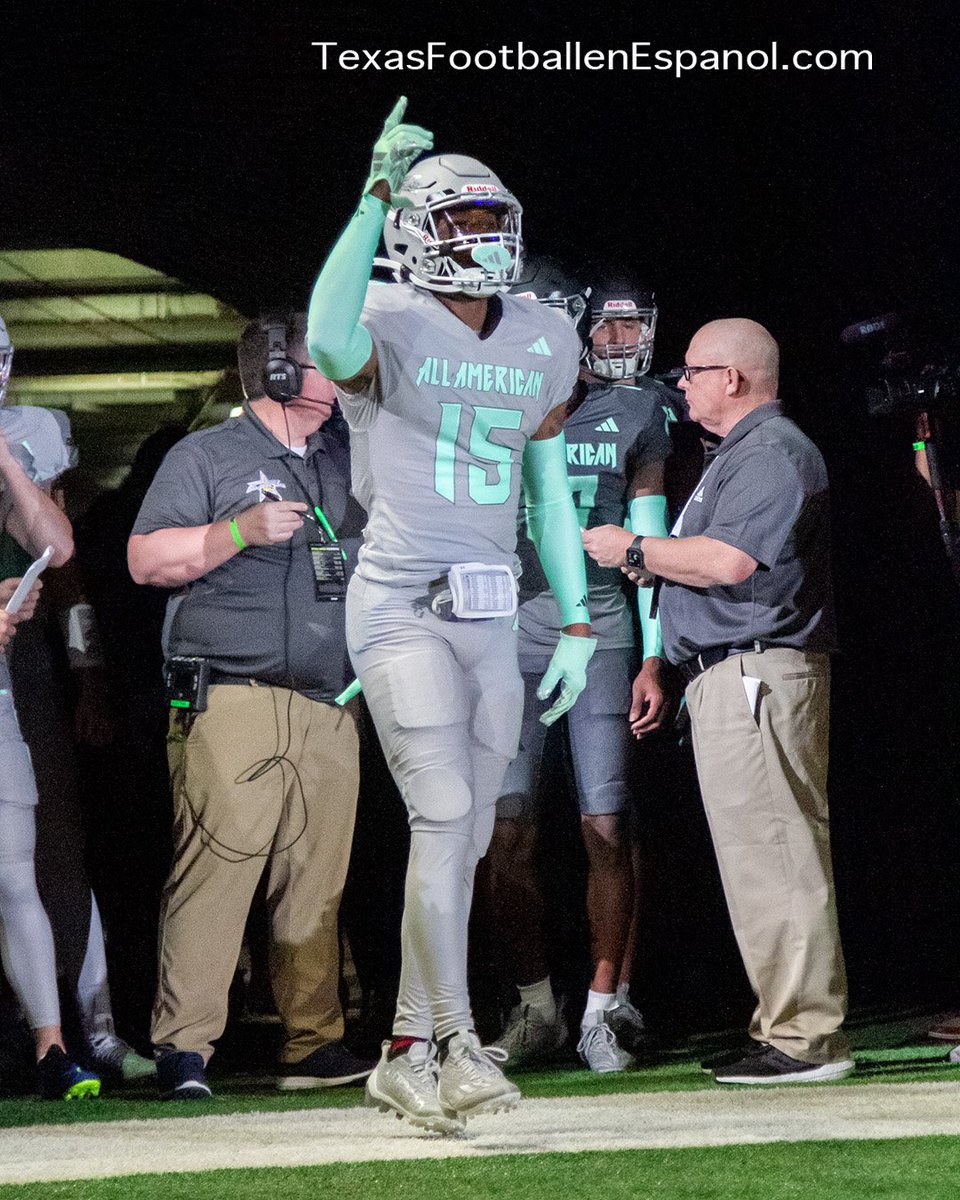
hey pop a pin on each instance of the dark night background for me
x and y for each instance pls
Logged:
(204, 140)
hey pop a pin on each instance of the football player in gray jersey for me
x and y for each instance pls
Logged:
(457, 389)
(617, 442)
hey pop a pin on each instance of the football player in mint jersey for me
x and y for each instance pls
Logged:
(456, 390)
(617, 441)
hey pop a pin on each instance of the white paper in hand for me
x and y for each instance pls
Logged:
(30, 577)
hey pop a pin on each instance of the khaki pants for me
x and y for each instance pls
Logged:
(238, 811)
(763, 776)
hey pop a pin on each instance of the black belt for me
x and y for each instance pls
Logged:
(248, 680)
(690, 668)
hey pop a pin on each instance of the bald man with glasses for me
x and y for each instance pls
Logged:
(746, 609)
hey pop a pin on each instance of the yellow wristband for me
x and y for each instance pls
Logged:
(236, 535)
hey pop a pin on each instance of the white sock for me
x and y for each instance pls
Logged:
(540, 996)
(623, 993)
(597, 1002)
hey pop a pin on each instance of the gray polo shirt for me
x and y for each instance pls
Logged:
(257, 615)
(764, 490)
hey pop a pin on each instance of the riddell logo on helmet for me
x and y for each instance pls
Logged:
(618, 305)
(480, 187)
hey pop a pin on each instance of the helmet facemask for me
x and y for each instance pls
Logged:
(573, 307)
(626, 359)
(547, 281)
(461, 254)
(456, 228)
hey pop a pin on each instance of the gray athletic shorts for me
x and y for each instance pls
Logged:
(446, 698)
(601, 746)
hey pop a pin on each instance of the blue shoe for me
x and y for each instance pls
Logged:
(329, 1066)
(768, 1065)
(181, 1076)
(60, 1079)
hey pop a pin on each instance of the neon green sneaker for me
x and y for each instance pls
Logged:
(60, 1079)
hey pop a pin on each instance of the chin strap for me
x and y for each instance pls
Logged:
(648, 518)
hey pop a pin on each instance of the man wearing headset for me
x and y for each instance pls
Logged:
(252, 521)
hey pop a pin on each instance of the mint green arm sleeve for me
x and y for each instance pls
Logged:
(336, 341)
(553, 525)
(648, 518)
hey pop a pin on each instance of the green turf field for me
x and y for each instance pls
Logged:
(905, 1064)
(905, 1169)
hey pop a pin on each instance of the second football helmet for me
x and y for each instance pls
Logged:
(622, 300)
(546, 280)
(458, 229)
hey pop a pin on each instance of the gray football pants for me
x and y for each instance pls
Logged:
(26, 943)
(601, 745)
(447, 701)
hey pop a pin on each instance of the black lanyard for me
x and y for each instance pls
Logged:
(327, 557)
(322, 523)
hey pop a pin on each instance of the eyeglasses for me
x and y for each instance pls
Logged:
(689, 372)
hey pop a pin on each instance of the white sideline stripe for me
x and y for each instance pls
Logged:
(643, 1120)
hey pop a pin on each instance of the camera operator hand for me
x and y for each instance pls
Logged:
(8, 627)
(268, 524)
(29, 606)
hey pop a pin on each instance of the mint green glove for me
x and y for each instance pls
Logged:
(568, 667)
(337, 343)
(553, 526)
(648, 518)
(395, 149)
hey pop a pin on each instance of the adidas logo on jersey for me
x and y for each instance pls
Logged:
(698, 498)
(607, 426)
(540, 347)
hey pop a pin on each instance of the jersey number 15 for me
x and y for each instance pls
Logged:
(480, 487)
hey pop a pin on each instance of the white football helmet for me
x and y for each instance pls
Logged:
(623, 301)
(478, 258)
(6, 361)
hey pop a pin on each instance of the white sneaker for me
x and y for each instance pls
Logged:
(112, 1057)
(529, 1037)
(598, 1047)
(470, 1080)
(407, 1085)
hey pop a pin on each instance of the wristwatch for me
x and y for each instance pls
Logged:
(634, 555)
